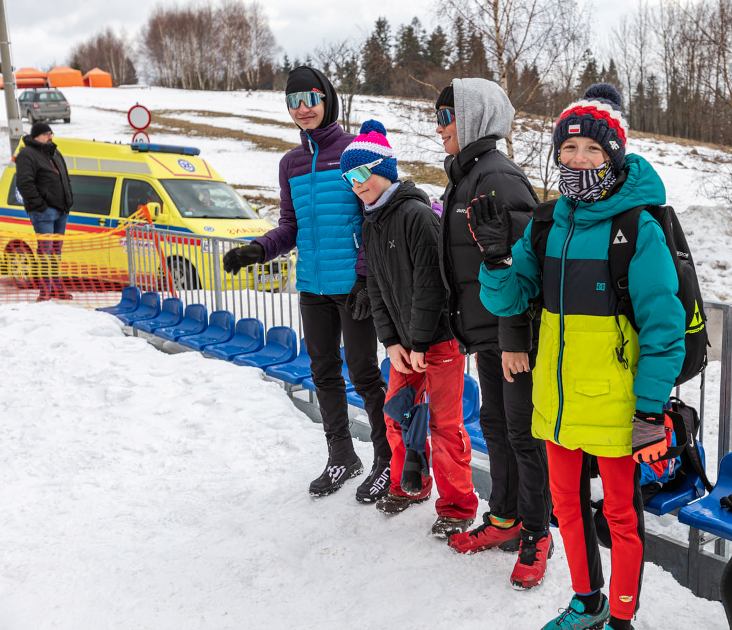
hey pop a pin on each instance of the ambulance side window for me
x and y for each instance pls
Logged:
(92, 195)
(136, 193)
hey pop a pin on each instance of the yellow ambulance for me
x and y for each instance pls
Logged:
(182, 192)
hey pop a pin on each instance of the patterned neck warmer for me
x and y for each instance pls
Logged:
(591, 184)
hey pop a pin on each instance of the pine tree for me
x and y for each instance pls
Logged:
(461, 48)
(376, 59)
(589, 74)
(436, 50)
(409, 52)
(653, 105)
(530, 94)
(611, 74)
(477, 63)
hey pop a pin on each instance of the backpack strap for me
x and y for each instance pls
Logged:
(623, 240)
(542, 222)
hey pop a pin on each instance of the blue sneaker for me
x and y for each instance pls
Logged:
(574, 617)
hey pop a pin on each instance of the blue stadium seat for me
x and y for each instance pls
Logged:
(295, 371)
(129, 302)
(248, 337)
(690, 489)
(195, 320)
(281, 347)
(220, 329)
(471, 400)
(309, 384)
(707, 514)
(148, 309)
(475, 433)
(170, 314)
(354, 399)
(385, 369)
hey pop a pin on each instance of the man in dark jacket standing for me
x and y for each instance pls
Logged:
(408, 301)
(43, 182)
(472, 115)
(320, 215)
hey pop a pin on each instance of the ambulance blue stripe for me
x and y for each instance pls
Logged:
(75, 219)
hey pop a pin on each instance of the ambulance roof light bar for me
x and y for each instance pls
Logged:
(145, 147)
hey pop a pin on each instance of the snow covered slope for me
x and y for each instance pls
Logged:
(165, 492)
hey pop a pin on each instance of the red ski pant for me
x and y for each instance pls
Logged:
(443, 381)
(569, 480)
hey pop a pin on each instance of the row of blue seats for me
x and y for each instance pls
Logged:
(245, 343)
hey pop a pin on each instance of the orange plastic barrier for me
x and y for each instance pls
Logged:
(88, 269)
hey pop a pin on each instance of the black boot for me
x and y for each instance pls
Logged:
(343, 464)
(376, 485)
(394, 504)
(411, 481)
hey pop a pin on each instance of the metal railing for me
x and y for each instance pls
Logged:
(190, 267)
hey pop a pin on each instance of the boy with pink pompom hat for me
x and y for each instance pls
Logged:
(409, 307)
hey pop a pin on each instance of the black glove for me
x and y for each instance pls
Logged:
(243, 256)
(490, 228)
(358, 301)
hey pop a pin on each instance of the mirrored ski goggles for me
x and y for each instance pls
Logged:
(445, 116)
(311, 99)
(361, 173)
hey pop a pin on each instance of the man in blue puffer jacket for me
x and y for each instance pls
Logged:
(320, 215)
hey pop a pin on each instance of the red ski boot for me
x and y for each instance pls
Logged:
(536, 548)
(487, 536)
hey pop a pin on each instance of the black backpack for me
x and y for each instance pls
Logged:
(623, 239)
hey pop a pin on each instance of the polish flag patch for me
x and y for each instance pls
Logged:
(574, 129)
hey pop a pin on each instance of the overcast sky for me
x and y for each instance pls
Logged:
(43, 32)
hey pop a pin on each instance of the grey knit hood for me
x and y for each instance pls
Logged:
(482, 109)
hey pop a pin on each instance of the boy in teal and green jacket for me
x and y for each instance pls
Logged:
(599, 386)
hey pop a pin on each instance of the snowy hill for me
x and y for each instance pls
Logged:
(167, 492)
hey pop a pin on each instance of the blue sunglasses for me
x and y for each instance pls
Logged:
(361, 173)
(311, 99)
(445, 116)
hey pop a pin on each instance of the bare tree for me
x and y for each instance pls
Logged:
(227, 46)
(341, 61)
(519, 33)
(107, 51)
(260, 45)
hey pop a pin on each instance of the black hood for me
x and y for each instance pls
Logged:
(313, 78)
(405, 191)
(48, 147)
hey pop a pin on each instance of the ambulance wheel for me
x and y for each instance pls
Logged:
(20, 265)
(183, 274)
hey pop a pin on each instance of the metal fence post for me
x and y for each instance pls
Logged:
(216, 272)
(130, 256)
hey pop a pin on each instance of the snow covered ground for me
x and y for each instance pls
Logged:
(144, 490)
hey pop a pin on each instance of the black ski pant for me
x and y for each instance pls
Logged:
(324, 319)
(518, 468)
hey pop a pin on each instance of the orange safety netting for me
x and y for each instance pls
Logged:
(88, 268)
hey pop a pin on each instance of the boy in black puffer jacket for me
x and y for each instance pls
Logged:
(472, 115)
(408, 302)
